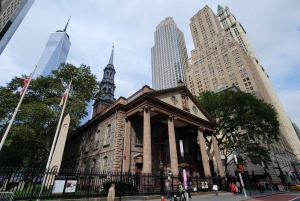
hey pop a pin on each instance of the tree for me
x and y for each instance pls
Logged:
(37, 119)
(245, 125)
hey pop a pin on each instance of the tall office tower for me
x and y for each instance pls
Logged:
(12, 13)
(168, 55)
(223, 56)
(290, 142)
(55, 52)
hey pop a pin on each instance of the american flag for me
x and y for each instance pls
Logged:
(25, 83)
(63, 99)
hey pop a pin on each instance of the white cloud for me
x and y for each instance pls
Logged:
(272, 27)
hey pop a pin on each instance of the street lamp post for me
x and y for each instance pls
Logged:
(267, 176)
(281, 172)
(240, 175)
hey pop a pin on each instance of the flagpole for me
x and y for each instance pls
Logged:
(54, 143)
(16, 111)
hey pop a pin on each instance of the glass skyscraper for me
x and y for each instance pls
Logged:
(168, 55)
(55, 53)
(12, 13)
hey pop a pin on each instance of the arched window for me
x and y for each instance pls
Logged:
(139, 134)
(104, 167)
(97, 136)
(108, 133)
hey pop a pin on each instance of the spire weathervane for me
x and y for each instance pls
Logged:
(112, 55)
(67, 24)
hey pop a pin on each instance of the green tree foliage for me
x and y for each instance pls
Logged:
(33, 130)
(245, 125)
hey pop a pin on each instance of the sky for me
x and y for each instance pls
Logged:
(273, 27)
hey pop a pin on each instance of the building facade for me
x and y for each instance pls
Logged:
(168, 55)
(12, 13)
(148, 127)
(55, 52)
(223, 56)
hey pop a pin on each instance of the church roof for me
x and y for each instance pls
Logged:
(159, 99)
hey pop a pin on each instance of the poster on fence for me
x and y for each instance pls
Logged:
(71, 186)
(58, 186)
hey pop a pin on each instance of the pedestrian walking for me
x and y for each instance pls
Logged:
(188, 190)
(259, 187)
(111, 193)
(215, 188)
(239, 189)
(233, 188)
(168, 188)
(230, 185)
(181, 191)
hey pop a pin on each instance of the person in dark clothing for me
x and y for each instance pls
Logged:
(259, 187)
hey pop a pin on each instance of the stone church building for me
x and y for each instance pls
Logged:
(147, 128)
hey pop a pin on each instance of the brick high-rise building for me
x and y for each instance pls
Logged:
(168, 55)
(223, 56)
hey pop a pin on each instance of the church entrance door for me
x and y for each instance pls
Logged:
(138, 172)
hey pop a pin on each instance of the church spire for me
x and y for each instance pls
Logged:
(220, 9)
(112, 55)
(65, 29)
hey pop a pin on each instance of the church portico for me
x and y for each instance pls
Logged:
(166, 128)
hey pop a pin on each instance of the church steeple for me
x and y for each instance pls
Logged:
(112, 55)
(107, 86)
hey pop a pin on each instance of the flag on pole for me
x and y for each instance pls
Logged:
(25, 83)
(64, 96)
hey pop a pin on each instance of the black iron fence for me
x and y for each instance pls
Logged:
(26, 183)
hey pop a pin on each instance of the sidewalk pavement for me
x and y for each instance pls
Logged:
(231, 197)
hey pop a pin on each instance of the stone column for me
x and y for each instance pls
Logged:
(147, 160)
(127, 137)
(203, 153)
(172, 145)
(218, 156)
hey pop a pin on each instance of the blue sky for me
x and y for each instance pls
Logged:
(272, 26)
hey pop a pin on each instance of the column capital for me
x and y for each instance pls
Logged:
(201, 129)
(171, 117)
(147, 108)
(141, 109)
(126, 119)
(214, 133)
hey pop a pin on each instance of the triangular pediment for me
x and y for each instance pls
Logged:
(184, 100)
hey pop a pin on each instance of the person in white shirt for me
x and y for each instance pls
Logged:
(238, 185)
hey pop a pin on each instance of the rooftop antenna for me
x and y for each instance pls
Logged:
(65, 29)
